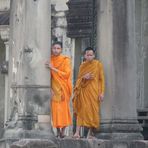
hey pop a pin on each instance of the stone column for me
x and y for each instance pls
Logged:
(140, 53)
(4, 35)
(116, 49)
(145, 48)
(7, 102)
(28, 78)
(2, 85)
(59, 26)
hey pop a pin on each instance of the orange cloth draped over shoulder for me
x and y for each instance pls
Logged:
(86, 102)
(62, 87)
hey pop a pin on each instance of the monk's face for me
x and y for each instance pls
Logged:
(89, 55)
(56, 49)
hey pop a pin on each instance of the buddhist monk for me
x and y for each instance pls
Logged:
(61, 89)
(88, 93)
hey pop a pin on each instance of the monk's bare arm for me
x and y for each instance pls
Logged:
(48, 65)
(66, 71)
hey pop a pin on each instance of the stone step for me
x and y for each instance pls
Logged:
(143, 116)
(142, 110)
(144, 125)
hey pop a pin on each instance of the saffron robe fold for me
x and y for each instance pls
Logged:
(86, 102)
(62, 88)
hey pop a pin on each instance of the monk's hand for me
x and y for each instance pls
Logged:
(101, 97)
(88, 76)
(47, 64)
(53, 68)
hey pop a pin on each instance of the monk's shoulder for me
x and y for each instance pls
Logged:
(65, 57)
(82, 65)
(98, 62)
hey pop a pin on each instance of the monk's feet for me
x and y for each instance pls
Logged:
(76, 136)
(62, 135)
(91, 137)
(58, 133)
(58, 136)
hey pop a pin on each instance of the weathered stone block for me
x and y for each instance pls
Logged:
(78, 143)
(81, 143)
(34, 143)
(97, 143)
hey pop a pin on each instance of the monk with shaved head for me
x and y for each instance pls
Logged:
(61, 89)
(88, 93)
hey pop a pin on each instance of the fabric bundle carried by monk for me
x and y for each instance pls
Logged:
(61, 89)
(88, 92)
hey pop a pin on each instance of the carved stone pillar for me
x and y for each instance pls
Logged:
(116, 49)
(4, 35)
(29, 79)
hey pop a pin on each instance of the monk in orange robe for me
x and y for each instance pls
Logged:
(61, 89)
(88, 92)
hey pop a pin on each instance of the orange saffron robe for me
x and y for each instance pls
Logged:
(86, 102)
(62, 87)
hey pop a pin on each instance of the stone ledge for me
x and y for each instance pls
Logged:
(78, 143)
(97, 143)
(81, 143)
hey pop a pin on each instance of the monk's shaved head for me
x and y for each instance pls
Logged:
(88, 49)
(56, 48)
(89, 54)
(58, 43)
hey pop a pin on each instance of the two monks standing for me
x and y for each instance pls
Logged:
(88, 91)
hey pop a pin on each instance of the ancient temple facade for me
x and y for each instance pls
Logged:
(116, 29)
